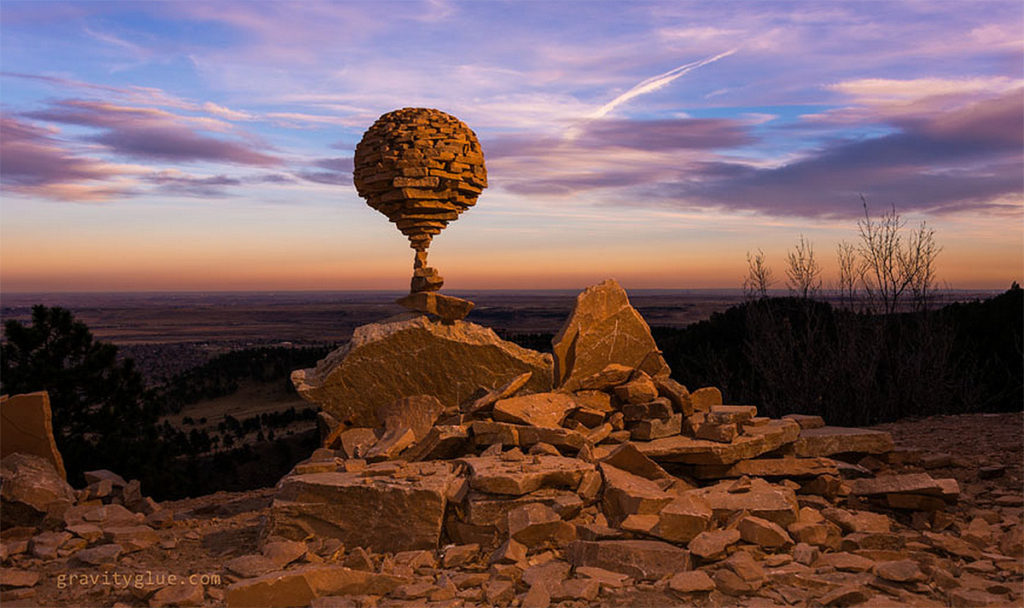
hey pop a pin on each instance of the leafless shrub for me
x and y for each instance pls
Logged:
(759, 276)
(897, 266)
(803, 273)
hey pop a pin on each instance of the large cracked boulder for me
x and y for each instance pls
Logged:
(383, 508)
(31, 489)
(406, 356)
(603, 329)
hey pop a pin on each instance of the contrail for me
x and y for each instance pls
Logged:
(655, 82)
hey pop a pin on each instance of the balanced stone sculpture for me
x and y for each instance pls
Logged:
(421, 168)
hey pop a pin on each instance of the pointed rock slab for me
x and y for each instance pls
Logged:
(26, 426)
(640, 559)
(604, 328)
(387, 507)
(495, 475)
(505, 391)
(538, 409)
(628, 494)
(632, 460)
(765, 500)
(829, 440)
(404, 357)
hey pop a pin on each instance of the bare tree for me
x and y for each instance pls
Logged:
(803, 274)
(895, 265)
(759, 276)
(851, 272)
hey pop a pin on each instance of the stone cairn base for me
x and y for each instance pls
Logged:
(620, 479)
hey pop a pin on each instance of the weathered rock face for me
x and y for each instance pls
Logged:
(403, 357)
(31, 489)
(604, 329)
(379, 508)
(26, 426)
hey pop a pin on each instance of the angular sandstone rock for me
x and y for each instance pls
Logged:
(712, 545)
(604, 329)
(627, 494)
(26, 426)
(404, 357)
(300, 586)
(448, 308)
(497, 476)
(385, 513)
(763, 533)
(538, 409)
(684, 518)
(769, 467)
(699, 451)
(775, 503)
(640, 559)
(829, 440)
(30, 489)
(691, 582)
(418, 413)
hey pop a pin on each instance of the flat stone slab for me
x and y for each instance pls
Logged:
(769, 467)
(538, 409)
(302, 585)
(640, 559)
(765, 500)
(496, 475)
(913, 483)
(699, 451)
(829, 440)
(385, 508)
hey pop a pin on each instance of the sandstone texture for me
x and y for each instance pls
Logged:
(405, 357)
(26, 427)
(604, 329)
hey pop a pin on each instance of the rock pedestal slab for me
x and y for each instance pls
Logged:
(404, 357)
(602, 329)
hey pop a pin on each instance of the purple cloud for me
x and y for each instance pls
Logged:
(150, 133)
(332, 171)
(187, 185)
(32, 161)
(936, 161)
(674, 134)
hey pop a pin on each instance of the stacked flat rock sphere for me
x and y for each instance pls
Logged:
(421, 168)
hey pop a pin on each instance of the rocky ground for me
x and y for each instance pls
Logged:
(458, 469)
(972, 557)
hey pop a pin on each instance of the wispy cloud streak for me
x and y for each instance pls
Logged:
(656, 82)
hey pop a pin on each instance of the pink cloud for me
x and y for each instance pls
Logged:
(32, 161)
(152, 134)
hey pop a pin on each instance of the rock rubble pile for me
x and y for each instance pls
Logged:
(614, 487)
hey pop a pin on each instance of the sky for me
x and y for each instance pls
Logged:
(208, 145)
